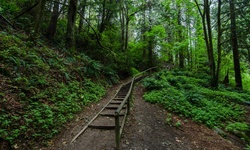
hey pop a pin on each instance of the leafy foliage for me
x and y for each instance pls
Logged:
(115, 40)
(41, 88)
(187, 96)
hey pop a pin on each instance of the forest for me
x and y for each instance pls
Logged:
(57, 57)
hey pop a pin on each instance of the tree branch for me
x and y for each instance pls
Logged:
(97, 37)
(27, 10)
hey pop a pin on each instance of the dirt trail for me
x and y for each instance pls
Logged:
(91, 139)
(145, 129)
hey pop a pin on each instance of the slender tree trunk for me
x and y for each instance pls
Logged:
(210, 42)
(150, 52)
(206, 23)
(190, 48)
(219, 42)
(234, 44)
(143, 30)
(83, 7)
(53, 21)
(122, 21)
(169, 52)
(103, 22)
(109, 8)
(150, 40)
(70, 36)
(126, 34)
(248, 55)
(181, 53)
(39, 15)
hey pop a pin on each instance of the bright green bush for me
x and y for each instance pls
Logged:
(239, 126)
(181, 93)
(152, 84)
(240, 129)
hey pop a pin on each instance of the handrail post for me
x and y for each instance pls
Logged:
(117, 131)
(128, 99)
(128, 104)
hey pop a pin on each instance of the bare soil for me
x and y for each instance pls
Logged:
(146, 129)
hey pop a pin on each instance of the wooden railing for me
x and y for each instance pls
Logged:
(127, 100)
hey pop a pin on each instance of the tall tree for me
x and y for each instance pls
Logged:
(82, 10)
(150, 40)
(206, 23)
(122, 22)
(109, 8)
(39, 15)
(70, 34)
(143, 31)
(53, 21)
(234, 44)
(179, 36)
(219, 33)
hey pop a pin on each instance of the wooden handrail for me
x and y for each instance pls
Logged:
(118, 128)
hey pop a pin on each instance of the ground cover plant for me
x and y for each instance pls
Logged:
(183, 93)
(43, 88)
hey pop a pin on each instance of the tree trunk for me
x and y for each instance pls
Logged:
(70, 36)
(150, 53)
(248, 55)
(83, 7)
(206, 23)
(122, 21)
(180, 38)
(126, 34)
(102, 24)
(150, 40)
(219, 42)
(234, 44)
(214, 83)
(39, 15)
(53, 21)
(143, 31)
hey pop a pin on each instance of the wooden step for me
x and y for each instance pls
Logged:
(118, 99)
(112, 111)
(115, 107)
(111, 114)
(116, 102)
(104, 123)
(120, 96)
(104, 127)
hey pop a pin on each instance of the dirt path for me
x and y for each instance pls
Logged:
(146, 129)
(90, 139)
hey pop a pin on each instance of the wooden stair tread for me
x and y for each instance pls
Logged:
(105, 127)
(115, 107)
(116, 102)
(111, 114)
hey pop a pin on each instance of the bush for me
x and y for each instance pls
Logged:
(240, 129)
(153, 84)
(238, 126)
(189, 97)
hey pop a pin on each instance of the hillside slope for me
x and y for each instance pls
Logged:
(42, 88)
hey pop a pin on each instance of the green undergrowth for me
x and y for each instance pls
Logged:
(189, 96)
(43, 88)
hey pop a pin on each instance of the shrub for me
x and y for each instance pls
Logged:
(153, 84)
(189, 97)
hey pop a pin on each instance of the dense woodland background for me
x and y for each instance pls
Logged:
(57, 56)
